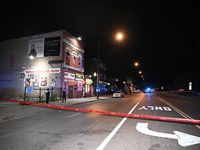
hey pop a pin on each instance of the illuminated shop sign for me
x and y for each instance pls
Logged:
(36, 71)
(88, 81)
(69, 76)
(80, 76)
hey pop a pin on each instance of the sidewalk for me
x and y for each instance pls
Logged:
(74, 101)
(12, 110)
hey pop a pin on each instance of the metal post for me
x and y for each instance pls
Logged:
(97, 89)
(25, 94)
(40, 96)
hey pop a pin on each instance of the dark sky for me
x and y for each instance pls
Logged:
(162, 35)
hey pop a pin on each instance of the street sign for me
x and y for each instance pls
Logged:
(29, 89)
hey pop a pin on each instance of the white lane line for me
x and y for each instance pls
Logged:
(109, 137)
(74, 115)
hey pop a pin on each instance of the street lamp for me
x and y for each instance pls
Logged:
(136, 64)
(31, 57)
(79, 38)
(95, 74)
(119, 37)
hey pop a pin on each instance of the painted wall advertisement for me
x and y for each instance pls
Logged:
(40, 77)
(73, 57)
(44, 47)
(52, 47)
(36, 48)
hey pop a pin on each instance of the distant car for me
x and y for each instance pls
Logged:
(149, 90)
(137, 91)
(118, 94)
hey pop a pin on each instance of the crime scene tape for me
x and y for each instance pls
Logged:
(111, 113)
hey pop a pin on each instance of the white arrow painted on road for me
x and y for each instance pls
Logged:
(183, 138)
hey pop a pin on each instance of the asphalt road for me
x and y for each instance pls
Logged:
(55, 129)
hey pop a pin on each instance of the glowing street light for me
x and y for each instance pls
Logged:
(119, 36)
(95, 74)
(136, 64)
(140, 72)
(79, 38)
(31, 57)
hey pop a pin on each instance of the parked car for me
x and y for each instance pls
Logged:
(118, 94)
(136, 91)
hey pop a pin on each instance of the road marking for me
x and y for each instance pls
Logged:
(109, 137)
(176, 109)
(184, 139)
(109, 113)
(74, 115)
(155, 108)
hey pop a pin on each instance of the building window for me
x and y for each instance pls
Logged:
(67, 61)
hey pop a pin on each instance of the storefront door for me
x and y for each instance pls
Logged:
(71, 88)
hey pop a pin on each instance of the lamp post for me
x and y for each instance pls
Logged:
(119, 37)
(97, 88)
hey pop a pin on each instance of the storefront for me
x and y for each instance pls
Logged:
(73, 83)
(89, 90)
(53, 60)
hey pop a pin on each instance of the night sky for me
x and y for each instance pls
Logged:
(162, 35)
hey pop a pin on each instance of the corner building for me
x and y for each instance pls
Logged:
(30, 65)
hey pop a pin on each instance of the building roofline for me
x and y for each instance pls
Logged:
(40, 34)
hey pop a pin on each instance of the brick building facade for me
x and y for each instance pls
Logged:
(53, 60)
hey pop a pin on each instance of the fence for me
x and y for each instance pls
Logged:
(38, 93)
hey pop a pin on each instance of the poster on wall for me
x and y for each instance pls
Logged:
(44, 47)
(32, 80)
(36, 47)
(79, 85)
(40, 77)
(35, 80)
(27, 82)
(52, 46)
(53, 81)
(43, 81)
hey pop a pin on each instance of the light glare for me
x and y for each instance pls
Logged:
(119, 36)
